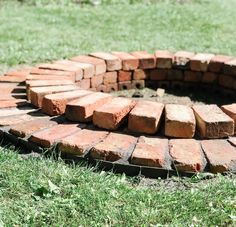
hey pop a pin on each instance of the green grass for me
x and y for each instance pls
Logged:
(45, 192)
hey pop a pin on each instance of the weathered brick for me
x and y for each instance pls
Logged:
(182, 59)
(187, 155)
(230, 67)
(216, 64)
(19, 73)
(200, 62)
(175, 74)
(164, 59)
(16, 111)
(13, 103)
(152, 152)
(220, 155)
(81, 142)
(138, 84)
(82, 109)
(179, 121)
(212, 122)
(41, 83)
(146, 60)
(113, 62)
(192, 76)
(112, 87)
(125, 85)
(209, 77)
(12, 79)
(38, 71)
(139, 74)
(7, 88)
(110, 78)
(55, 104)
(226, 81)
(102, 88)
(37, 93)
(145, 117)
(124, 75)
(97, 80)
(230, 110)
(159, 74)
(114, 147)
(50, 77)
(29, 127)
(48, 137)
(129, 62)
(112, 114)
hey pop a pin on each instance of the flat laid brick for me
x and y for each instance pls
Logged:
(153, 152)
(113, 62)
(129, 62)
(110, 78)
(114, 147)
(48, 137)
(200, 62)
(179, 121)
(232, 140)
(13, 103)
(212, 122)
(55, 104)
(88, 69)
(182, 59)
(42, 83)
(51, 77)
(39, 71)
(81, 142)
(187, 155)
(29, 127)
(12, 79)
(216, 64)
(220, 155)
(230, 67)
(99, 64)
(19, 73)
(37, 93)
(112, 114)
(164, 59)
(16, 111)
(146, 60)
(124, 75)
(82, 109)
(230, 110)
(145, 117)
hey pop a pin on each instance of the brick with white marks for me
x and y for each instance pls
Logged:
(200, 62)
(182, 59)
(216, 64)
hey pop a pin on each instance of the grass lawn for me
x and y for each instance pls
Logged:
(45, 192)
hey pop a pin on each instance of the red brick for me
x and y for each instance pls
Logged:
(37, 93)
(164, 59)
(212, 122)
(97, 80)
(124, 76)
(182, 59)
(82, 109)
(69, 68)
(209, 77)
(230, 110)
(216, 64)
(88, 69)
(187, 155)
(12, 103)
(112, 114)
(125, 85)
(84, 84)
(220, 155)
(110, 78)
(230, 67)
(129, 62)
(19, 73)
(38, 71)
(113, 62)
(175, 74)
(55, 104)
(99, 64)
(7, 88)
(12, 96)
(12, 79)
(114, 147)
(139, 74)
(48, 137)
(81, 142)
(41, 83)
(112, 87)
(158, 74)
(146, 60)
(145, 117)
(102, 88)
(226, 81)
(232, 141)
(200, 62)
(50, 77)
(179, 121)
(138, 84)
(16, 111)
(152, 152)
(192, 76)
(29, 127)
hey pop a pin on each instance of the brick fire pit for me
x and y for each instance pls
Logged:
(66, 105)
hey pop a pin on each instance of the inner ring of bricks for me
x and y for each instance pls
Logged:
(66, 104)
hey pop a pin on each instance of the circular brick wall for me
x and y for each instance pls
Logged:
(66, 105)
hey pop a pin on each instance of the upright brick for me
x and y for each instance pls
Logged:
(99, 64)
(114, 147)
(81, 142)
(129, 62)
(113, 62)
(82, 109)
(48, 137)
(230, 110)
(164, 59)
(145, 117)
(200, 62)
(182, 59)
(187, 155)
(220, 155)
(124, 76)
(212, 122)
(146, 60)
(153, 152)
(179, 121)
(112, 114)
(216, 64)
(110, 78)
(55, 104)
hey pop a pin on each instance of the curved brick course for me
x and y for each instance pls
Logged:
(62, 104)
